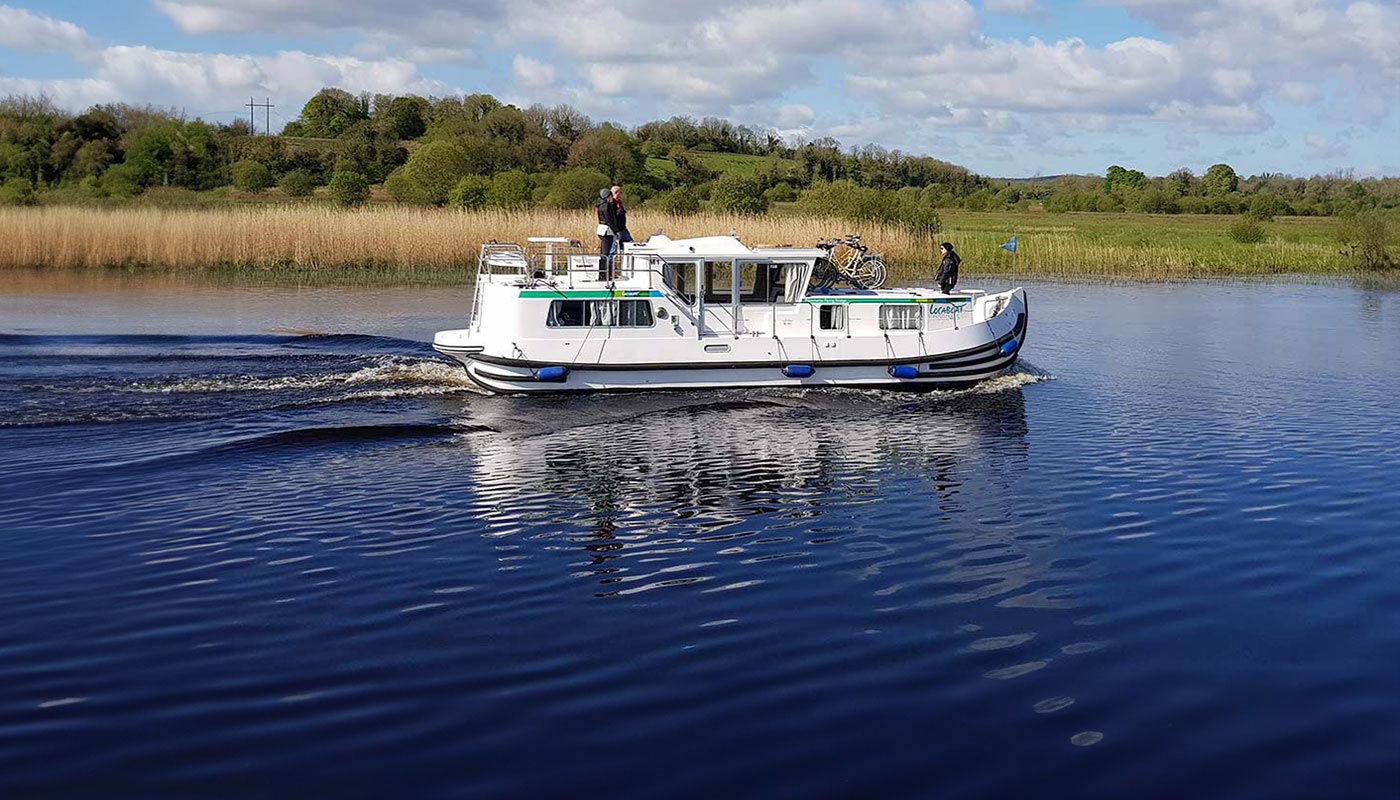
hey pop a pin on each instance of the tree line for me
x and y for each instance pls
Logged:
(474, 151)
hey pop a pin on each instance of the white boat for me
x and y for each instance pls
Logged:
(712, 313)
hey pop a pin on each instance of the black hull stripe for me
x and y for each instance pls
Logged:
(988, 352)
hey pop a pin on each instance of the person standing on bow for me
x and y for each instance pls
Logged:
(619, 217)
(948, 270)
(607, 224)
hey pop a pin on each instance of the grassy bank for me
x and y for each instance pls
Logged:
(417, 242)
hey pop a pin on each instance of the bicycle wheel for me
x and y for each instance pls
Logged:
(861, 275)
(878, 271)
(824, 274)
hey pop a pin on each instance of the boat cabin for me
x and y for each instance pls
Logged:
(710, 287)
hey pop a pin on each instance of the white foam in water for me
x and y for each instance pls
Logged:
(416, 376)
(1012, 380)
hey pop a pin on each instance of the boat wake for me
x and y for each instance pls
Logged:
(398, 376)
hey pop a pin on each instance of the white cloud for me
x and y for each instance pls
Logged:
(215, 80)
(532, 73)
(36, 33)
(795, 115)
(1023, 8)
(1320, 146)
(912, 71)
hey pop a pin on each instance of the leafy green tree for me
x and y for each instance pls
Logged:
(251, 176)
(655, 148)
(1367, 237)
(1121, 178)
(510, 190)
(1221, 179)
(298, 183)
(123, 180)
(18, 192)
(576, 188)
(506, 122)
(349, 188)
(689, 170)
(1182, 181)
(680, 201)
(330, 113)
(429, 175)
(370, 152)
(781, 192)
(610, 151)
(401, 117)
(738, 194)
(470, 192)
(1264, 207)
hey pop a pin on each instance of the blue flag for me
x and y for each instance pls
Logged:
(1010, 245)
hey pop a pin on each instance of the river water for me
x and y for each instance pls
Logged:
(260, 542)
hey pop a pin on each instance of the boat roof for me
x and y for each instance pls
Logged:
(718, 247)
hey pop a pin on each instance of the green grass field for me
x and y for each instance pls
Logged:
(1148, 246)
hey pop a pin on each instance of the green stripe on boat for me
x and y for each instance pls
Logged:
(824, 300)
(591, 294)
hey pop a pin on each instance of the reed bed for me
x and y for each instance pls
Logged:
(422, 242)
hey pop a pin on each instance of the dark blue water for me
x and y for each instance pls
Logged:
(261, 543)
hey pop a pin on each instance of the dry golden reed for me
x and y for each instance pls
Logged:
(409, 239)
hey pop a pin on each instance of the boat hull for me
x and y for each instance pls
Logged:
(929, 372)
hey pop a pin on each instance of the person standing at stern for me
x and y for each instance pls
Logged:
(948, 270)
(607, 223)
(619, 219)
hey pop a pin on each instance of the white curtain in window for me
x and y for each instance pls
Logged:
(602, 312)
(902, 317)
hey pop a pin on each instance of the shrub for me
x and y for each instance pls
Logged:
(509, 190)
(577, 188)
(349, 188)
(1264, 207)
(92, 186)
(251, 176)
(782, 192)
(1366, 239)
(845, 200)
(123, 180)
(678, 202)
(18, 192)
(429, 175)
(738, 194)
(470, 192)
(1247, 231)
(297, 183)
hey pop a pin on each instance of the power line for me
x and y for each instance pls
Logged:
(267, 106)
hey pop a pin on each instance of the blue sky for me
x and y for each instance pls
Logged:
(1005, 87)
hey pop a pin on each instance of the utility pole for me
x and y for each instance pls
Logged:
(267, 106)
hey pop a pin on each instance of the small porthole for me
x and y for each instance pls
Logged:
(716, 348)
(662, 313)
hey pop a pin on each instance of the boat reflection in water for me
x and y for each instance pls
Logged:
(682, 489)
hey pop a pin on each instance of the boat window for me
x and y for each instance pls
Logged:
(901, 317)
(678, 279)
(634, 314)
(600, 313)
(785, 282)
(831, 317)
(566, 313)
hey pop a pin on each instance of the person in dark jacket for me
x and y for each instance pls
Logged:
(607, 223)
(619, 215)
(948, 270)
